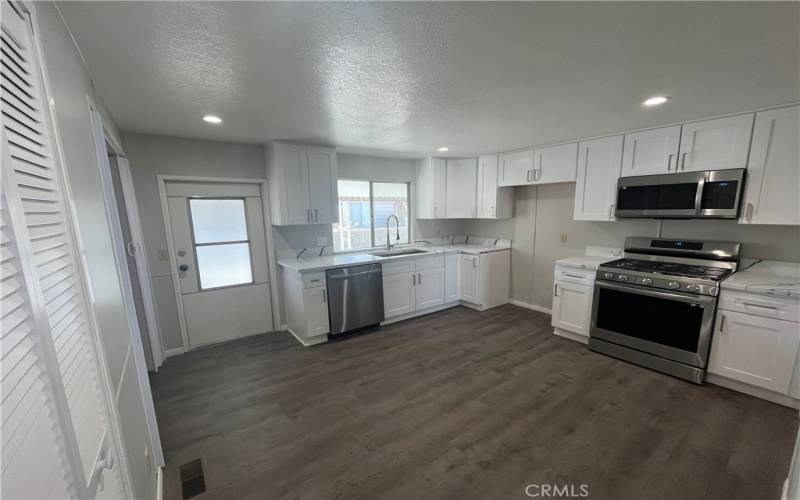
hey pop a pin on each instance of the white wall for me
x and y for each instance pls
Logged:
(543, 213)
(70, 84)
(150, 155)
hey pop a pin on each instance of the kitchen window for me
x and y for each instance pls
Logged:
(363, 208)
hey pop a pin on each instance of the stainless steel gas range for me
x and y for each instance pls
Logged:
(655, 307)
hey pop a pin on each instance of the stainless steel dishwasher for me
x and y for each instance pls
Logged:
(355, 297)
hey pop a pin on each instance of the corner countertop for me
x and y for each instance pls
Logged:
(767, 278)
(326, 262)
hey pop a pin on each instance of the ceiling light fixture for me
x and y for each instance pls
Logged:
(212, 119)
(443, 149)
(656, 100)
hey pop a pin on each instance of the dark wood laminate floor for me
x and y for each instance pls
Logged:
(459, 404)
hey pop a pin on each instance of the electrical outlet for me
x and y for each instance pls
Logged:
(563, 237)
(322, 241)
(162, 253)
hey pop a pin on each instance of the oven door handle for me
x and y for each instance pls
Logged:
(684, 297)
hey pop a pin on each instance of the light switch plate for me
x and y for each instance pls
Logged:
(322, 241)
(563, 237)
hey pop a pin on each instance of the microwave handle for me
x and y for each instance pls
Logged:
(698, 197)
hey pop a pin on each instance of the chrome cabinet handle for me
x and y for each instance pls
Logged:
(574, 275)
(683, 161)
(750, 304)
(555, 290)
(435, 211)
(722, 324)
(750, 210)
(475, 263)
(413, 279)
(324, 296)
(130, 248)
(316, 215)
(419, 278)
(308, 215)
(611, 211)
(669, 162)
(528, 177)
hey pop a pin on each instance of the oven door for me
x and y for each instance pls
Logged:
(672, 325)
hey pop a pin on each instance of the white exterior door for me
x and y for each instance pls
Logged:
(599, 163)
(716, 144)
(468, 271)
(462, 181)
(773, 172)
(430, 288)
(220, 256)
(315, 303)
(756, 350)
(651, 151)
(59, 437)
(516, 169)
(293, 162)
(398, 294)
(555, 164)
(322, 174)
(572, 307)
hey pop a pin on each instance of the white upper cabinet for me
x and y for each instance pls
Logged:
(555, 164)
(771, 191)
(599, 163)
(715, 144)
(461, 180)
(322, 173)
(651, 152)
(493, 202)
(430, 188)
(516, 169)
(302, 184)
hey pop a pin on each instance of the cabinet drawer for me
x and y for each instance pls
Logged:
(311, 280)
(392, 268)
(575, 275)
(429, 263)
(760, 305)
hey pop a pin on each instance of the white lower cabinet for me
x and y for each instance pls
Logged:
(572, 307)
(756, 350)
(429, 289)
(468, 276)
(315, 301)
(398, 294)
(451, 278)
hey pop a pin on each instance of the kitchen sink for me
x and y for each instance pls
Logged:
(396, 253)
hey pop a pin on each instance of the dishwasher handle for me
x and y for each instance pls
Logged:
(354, 275)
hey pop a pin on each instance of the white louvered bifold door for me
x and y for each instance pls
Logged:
(62, 343)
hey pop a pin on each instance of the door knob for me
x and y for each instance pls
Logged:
(183, 268)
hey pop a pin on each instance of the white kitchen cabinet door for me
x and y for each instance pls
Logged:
(468, 272)
(755, 350)
(715, 144)
(572, 307)
(451, 278)
(315, 302)
(292, 164)
(430, 188)
(322, 175)
(493, 202)
(516, 169)
(430, 288)
(461, 179)
(398, 294)
(599, 162)
(651, 152)
(555, 164)
(773, 172)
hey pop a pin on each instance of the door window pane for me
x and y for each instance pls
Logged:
(215, 221)
(224, 265)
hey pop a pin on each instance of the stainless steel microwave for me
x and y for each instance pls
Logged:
(712, 194)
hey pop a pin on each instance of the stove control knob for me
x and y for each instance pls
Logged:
(692, 288)
(622, 277)
(674, 284)
(608, 276)
(647, 281)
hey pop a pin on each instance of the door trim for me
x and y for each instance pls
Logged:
(162, 180)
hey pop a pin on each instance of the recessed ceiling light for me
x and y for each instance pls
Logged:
(656, 100)
(212, 119)
(443, 149)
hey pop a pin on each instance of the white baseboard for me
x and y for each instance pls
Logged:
(174, 352)
(532, 307)
(419, 313)
(571, 336)
(319, 339)
(757, 392)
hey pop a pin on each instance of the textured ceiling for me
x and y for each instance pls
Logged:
(409, 77)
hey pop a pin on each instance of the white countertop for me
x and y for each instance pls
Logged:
(768, 277)
(584, 262)
(325, 262)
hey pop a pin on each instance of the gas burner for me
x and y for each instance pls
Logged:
(669, 268)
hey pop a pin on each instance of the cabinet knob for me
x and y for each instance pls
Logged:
(183, 268)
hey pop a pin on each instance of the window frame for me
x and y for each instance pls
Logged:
(372, 213)
(195, 244)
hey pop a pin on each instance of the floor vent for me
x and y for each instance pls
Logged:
(193, 480)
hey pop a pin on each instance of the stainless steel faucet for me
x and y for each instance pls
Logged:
(389, 241)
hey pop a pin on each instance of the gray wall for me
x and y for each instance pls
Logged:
(543, 213)
(70, 83)
(150, 155)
